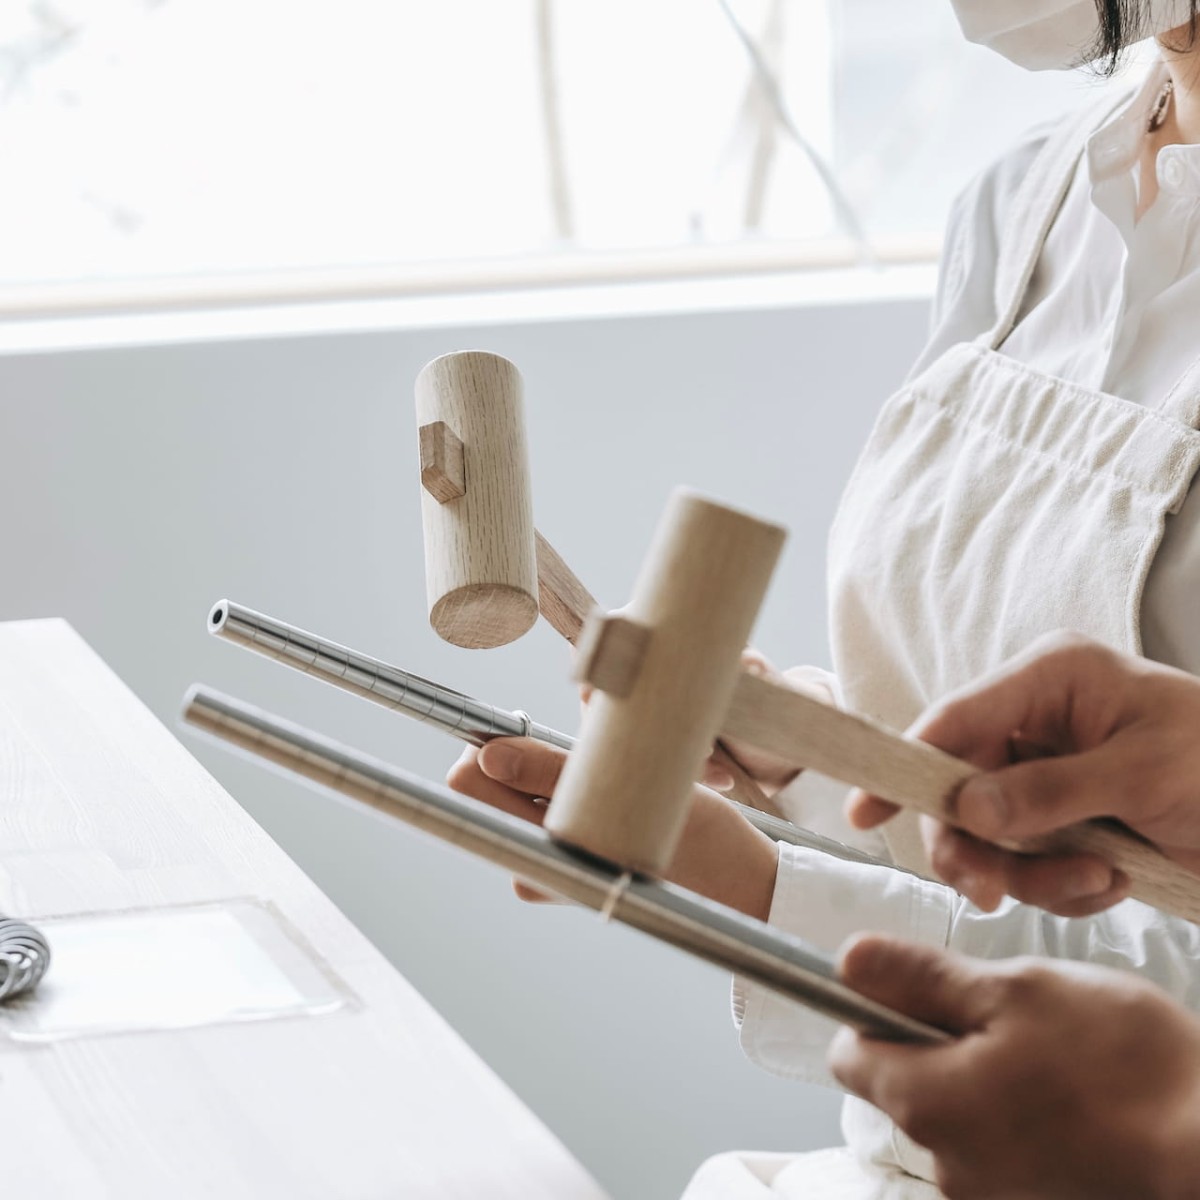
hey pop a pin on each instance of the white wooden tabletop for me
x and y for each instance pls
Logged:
(102, 810)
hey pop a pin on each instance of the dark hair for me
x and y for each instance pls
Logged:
(1120, 28)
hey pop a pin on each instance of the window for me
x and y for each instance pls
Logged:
(464, 140)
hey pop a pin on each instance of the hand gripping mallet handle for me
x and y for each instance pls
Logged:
(613, 750)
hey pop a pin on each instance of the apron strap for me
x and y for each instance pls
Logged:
(1036, 205)
(1182, 402)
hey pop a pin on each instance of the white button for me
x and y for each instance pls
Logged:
(1172, 172)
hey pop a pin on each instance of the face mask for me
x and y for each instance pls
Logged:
(1043, 35)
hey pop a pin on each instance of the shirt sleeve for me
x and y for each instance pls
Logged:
(824, 900)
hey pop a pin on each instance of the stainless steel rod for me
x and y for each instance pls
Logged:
(379, 682)
(711, 931)
(434, 704)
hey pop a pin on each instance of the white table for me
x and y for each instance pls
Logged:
(102, 810)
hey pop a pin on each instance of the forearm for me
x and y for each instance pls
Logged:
(722, 856)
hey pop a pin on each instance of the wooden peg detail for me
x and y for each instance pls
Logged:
(624, 793)
(610, 652)
(443, 465)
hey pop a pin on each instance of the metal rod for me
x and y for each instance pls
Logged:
(434, 704)
(708, 930)
(394, 688)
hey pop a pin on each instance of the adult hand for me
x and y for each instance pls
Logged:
(720, 855)
(1067, 1080)
(1069, 731)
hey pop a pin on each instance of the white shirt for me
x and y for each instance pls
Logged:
(1115, 306)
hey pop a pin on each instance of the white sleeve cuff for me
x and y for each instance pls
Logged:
(824, 900)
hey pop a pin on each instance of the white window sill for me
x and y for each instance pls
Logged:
(278, 306)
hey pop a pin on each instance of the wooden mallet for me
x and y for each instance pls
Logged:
(668, 681)
(488, 571)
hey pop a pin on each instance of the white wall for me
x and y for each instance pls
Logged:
(141, 484)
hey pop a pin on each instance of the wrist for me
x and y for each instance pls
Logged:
(722, 856)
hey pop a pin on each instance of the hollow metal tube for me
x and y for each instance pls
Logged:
(706, 929)
(374, 680)
(435, 704)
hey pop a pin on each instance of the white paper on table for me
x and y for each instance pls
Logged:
(171, 968)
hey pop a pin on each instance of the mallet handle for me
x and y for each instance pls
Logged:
(661, 729)
(862, 753)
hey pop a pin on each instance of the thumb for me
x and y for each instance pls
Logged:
(1033, 798)
(933, 985)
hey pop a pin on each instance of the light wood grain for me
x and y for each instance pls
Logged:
(101, 809)
(624, 792)
(861, 753)
(564, 601)
(566, 605)
(610, 652)
(480, 562)
(478, 614)
(443, 465)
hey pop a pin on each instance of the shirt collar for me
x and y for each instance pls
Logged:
(1114, 148)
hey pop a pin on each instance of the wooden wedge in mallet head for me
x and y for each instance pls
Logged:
(670, 672)
(476, 509)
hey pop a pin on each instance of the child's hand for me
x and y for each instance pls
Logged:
(720, 855)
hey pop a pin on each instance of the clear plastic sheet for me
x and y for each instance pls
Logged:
(174, 967)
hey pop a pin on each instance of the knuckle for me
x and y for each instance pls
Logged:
(995, 991)
(1025, 984)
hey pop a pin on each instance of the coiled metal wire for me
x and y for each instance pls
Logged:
(24, 957)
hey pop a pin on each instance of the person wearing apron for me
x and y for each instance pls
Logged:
(1035, 473)
(1098, 1070)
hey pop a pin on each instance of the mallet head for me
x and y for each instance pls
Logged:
(476, 508)
(665, 670)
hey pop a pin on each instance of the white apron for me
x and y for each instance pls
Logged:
(991, 504)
